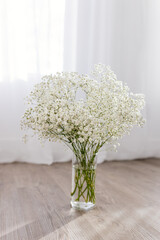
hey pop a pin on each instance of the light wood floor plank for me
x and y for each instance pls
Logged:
(35, 202)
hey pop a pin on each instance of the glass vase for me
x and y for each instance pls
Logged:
(83, 183)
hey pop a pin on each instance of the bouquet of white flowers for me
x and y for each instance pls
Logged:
(107, 111)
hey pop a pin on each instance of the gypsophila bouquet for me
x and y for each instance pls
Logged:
(107, 111)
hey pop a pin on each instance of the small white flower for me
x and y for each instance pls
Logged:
(106, 111)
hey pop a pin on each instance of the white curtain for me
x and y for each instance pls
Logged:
(124, 34)
(31, 45)
(39, 37)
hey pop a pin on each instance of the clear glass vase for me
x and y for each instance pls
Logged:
(83, 183)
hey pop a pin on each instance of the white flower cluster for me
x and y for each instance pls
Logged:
(106, 113)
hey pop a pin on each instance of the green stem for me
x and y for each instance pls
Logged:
(84, 182)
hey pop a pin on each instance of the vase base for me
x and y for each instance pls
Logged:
(82, 205)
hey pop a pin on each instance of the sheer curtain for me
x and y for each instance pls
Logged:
(125, 35)
(31, 45)
(39, 37)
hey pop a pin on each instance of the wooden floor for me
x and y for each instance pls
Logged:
(34, 202)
